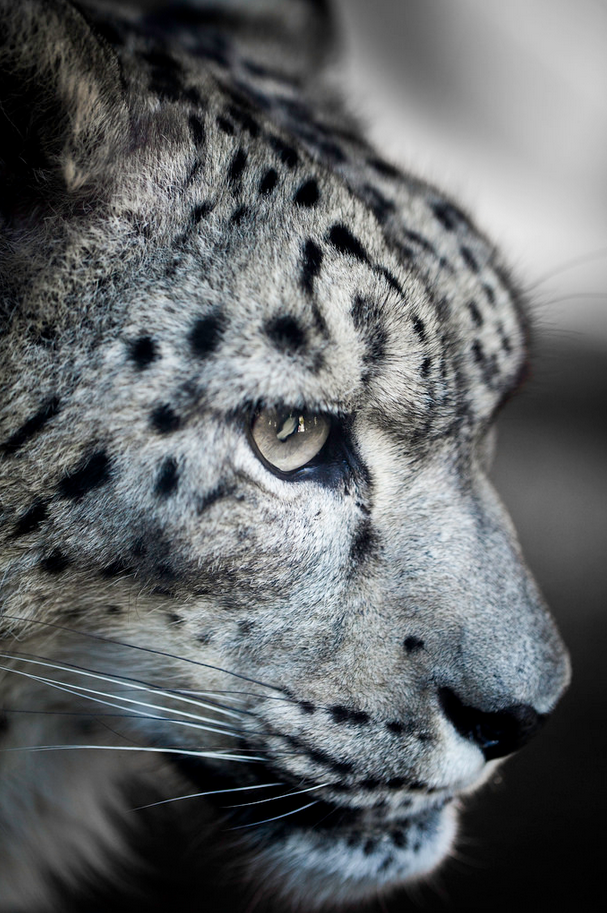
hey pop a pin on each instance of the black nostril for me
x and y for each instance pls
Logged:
(496, 734)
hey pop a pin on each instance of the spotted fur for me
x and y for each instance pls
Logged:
(194, 230)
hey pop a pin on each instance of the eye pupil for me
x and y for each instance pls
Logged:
(289, 439)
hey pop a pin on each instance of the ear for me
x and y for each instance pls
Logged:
(296, 37)
(61, 109)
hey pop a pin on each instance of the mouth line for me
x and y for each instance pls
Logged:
(271, 804)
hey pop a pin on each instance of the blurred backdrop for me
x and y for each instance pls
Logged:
(504, 105)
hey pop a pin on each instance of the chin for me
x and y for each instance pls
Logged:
(337, 864)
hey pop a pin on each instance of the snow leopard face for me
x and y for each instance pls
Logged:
(250, 372)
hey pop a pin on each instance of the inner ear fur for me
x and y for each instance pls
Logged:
(62, 114)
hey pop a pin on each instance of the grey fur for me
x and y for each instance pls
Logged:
(163, 276)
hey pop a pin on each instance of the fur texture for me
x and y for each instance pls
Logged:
(195, 235)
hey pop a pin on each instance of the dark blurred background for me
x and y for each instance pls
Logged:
(505, 106)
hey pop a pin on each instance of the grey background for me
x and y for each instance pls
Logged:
(504, 104)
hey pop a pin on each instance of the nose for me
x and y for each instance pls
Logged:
(498, 733)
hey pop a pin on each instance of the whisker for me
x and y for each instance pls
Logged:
(598, 254)
(211, 792)
(297, 792)
(213, 755)
(575, 296)
(141, 686)
(92, 716)
(295, 811)
(120, 643)
(86, 693)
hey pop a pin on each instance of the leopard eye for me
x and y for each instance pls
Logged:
(288, 439)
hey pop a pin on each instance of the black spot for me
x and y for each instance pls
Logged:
(196, 129)
(164, 420)
(476, 315)
(165, 572)
(425, 366)
(420, 241)
(206, 334)
(417, 786)
(239, 214)
(390, 279)
(205, 637)
(369, 783)
(369, 846)
(268, 181)
(332, 150)
(168, 478)
(246, 121)
(343, 714)
(399, 838)
(396, 783)
(364, 543)
(225, 125)
(448, 215)
(308, 194)
(413, 644)
(286, 334)
(339, 713)
(490, 294)
(359, 717)
(237, 166)
(143, 351)
(477, 352)
(31, 427)
(287, 154)
(469, 259)
(113, 610)
(201, 211)
(419, 327)
(220, 491)
(312, 262)
(367, 318)
(54, 563)
(384, 168)
(31, 519)
(307, 707)
(346, 243)
(174, 619)
(381, 207)
(245, 626)
(395, 727)
(94, 471)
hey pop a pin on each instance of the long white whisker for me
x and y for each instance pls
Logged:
(140, 686)
(87, 694)
(599, 254)
(120, 643)
(297, 792)
(215, 755)
(295, 811)
(211, 792)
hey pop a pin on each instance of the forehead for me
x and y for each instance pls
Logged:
(290, 274)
